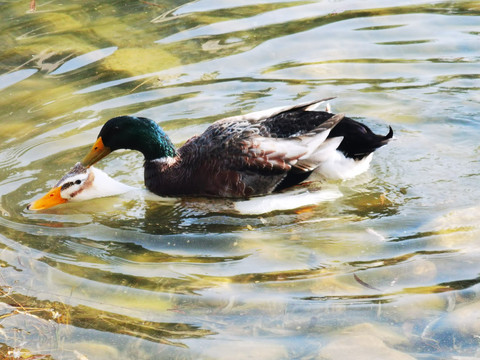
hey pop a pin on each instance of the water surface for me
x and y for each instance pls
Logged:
(385, 265)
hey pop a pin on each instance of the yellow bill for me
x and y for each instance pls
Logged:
(52, 198)
(97, 152)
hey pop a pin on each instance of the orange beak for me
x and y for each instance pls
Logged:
(50, 199)
(97, 152)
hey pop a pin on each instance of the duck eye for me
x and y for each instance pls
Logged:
(78, 182)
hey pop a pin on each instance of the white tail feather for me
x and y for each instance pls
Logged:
(325, 150)
(319, 155)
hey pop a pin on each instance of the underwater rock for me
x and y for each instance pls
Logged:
(246, 349)
(92, 350)
(385, 333)
(459, 228)
(126, 60)
(459, 329)
(360, 347)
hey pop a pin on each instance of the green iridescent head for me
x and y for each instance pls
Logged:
(131, 132)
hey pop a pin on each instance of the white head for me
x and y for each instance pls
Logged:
(79, 184)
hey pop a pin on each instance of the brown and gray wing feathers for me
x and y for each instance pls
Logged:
(304, 152)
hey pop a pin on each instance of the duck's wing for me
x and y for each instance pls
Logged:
(303, 153)
(273, 140)
(240, 159)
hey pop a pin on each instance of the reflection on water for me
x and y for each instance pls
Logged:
(384, 265)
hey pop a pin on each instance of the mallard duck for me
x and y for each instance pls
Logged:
(80, 184)
(246, 155)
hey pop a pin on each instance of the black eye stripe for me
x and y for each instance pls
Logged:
(71, 183)
(67, 185)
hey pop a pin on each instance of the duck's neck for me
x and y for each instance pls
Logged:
(157, 147)
(101, 185)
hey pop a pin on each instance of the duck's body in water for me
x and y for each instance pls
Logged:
(245, 155)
